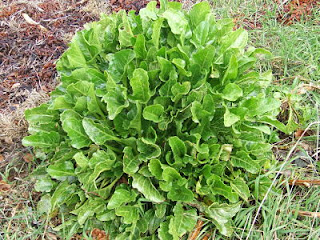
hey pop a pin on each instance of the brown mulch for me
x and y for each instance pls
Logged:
(296, 10)
(28, 52)
(136, 5)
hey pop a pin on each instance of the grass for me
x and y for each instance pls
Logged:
(296, 64)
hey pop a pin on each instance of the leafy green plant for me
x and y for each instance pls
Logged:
(159, 121)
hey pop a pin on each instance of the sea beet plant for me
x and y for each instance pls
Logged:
(159, 121)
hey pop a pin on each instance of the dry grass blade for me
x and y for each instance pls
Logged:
(206, 237)
(276, 177)
(4, 186)
(194, 235)
(308, 214)
(29, 20)
(301, 182)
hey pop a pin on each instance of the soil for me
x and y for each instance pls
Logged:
(296, 10)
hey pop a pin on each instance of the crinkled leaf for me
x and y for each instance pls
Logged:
(243, 160)
(241, 188)
(97, 132)
(153, 113)
(221, 215)
(182, 222)
(130, 161)
(145, 186)
(140, 85)
(72, 125)
(130, 214)
(119, 197)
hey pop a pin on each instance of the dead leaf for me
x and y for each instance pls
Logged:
(51, 236)
(195, 233)
(98, 234)
(28, 157)
(308, 214)
(8, 140)
(206, 237)
(303, 133)
(4, 186)
(1, 158)
(301, 182)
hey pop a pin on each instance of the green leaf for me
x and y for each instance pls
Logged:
(130, 162)
(62, 193)
(72, 125)
(155, 168)
(180, 193)
(130, 214)
(199, 12)
(61, 169)
(156, 30)
(232, 70)
(178, 147)
(232, 92)
(230, 118)
(220, 188)
(182, 222)
(204, 57)
(81, 160)
(176, 20)
(107, 215)
(241, 188)
(44, 184)
(235, 40)
(180, 89)
(44, 205)
(153, 113)
(140, 85)
(119, 197)
(163, 232)
(61, 102)
(243, 160)
(221, 215)
(42, 140)
(41, 115)
(161, 210)
(88, 209)
(97, 132)
(140, 47)
(84, 88)
(119, 63)
(115, 98)
(145, 186)
(148, 149)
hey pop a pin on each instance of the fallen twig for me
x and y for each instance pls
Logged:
(301, 182)
(195, 233)
(206, 237)
(308, 214)
(32, 22)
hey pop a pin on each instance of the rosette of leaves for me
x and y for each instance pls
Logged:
(159, 120)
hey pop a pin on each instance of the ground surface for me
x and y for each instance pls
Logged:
(33, 34)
